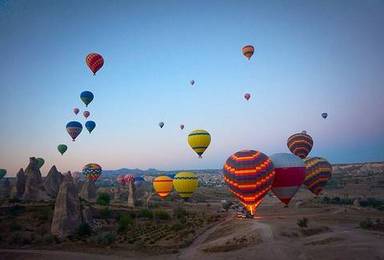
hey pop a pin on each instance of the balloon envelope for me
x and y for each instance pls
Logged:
(249, 175)
(74, 128)
(94, 61)
(128, 179)
(90, 125)
(163, 186)
(86, 114)
(289, 175)
(300, 144)
(62, 148)
(161, 124)
(199, 141)
(40, 162)
(76, 110)
(3, 172)
(248, 51)
(139, 181)
(86, 97)
(317, 173)
(92, 171)
(192, 82)
(247, 96)
(185, 184)
(324, 115)
(181, 127)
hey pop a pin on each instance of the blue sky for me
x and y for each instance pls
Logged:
(311, 57)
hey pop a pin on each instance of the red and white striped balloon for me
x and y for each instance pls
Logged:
(289, 175)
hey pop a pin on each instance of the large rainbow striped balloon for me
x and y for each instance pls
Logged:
(289, 175)
(92, 171)
(317, 173)
(249, 175)
(300, 144)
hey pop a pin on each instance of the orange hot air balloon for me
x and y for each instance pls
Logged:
(248, 51)
(249, 175)
(94, 61)
(163, 185)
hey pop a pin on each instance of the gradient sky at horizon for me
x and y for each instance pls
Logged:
(311, 57)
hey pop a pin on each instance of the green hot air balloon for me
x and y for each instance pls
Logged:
(62, 148)
(3, 172)
(40, 162)
(86, 97)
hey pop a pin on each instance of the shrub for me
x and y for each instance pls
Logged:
(124, 222)
(180, 213)
(84, 230)
(16, 210)
(177, 226)
(103, 199)
(105, 213)
(161, 214)
(14, 227)
(146, 213)
(44, 214)
(105, 238)
(366, 224)
(303, 223)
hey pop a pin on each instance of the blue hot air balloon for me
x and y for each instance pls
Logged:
(74, 128)
(86, 97)
(90, 125)
(324, 115)
(138, 181)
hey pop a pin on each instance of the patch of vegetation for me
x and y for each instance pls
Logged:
(303, 222)
(105, 213)
(178, 226)
(103, 199)
(16, 210)
(314, 231)
(105, 238)
(372, 203)
(14, 227)
(84, 230)
(44, 214)
(161, 214)
(145, 213)
(124, 222)
(336, 200)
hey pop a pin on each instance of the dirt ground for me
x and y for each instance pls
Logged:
(333, 232)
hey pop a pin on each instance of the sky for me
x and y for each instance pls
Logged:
(310, 57)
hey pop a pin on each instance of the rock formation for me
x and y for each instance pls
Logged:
(52, 182)
(131, 194)
(20, 183)
(5, 188)
(88, 191)
(34, 188)
(67, 214)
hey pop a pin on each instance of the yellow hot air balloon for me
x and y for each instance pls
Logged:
(199, 140)
(163, 186)
(185, 184)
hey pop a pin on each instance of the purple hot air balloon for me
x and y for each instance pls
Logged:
(247, 96)
(86, 114)
(76, 110)
(181, 127)
(74, 128)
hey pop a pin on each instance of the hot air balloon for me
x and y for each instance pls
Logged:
(317, 173)
(94, 61)
(248, 51)
(92, 171)
(181, 127)
(249, 175)
(185, 184)
(76, 110)
(74, 128)
(120, 180)
(192, 82)
(170, 175)
(289, 175)
(62, 148)
(163, 186)
(128, 179)
(3, 172)
(324, 115)
(139, 181)
(86, 114)
(90, 125)
(300, 144)
(199, 140)
(86, 97)
(247, 96)
(40, 162)
(161, 124)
